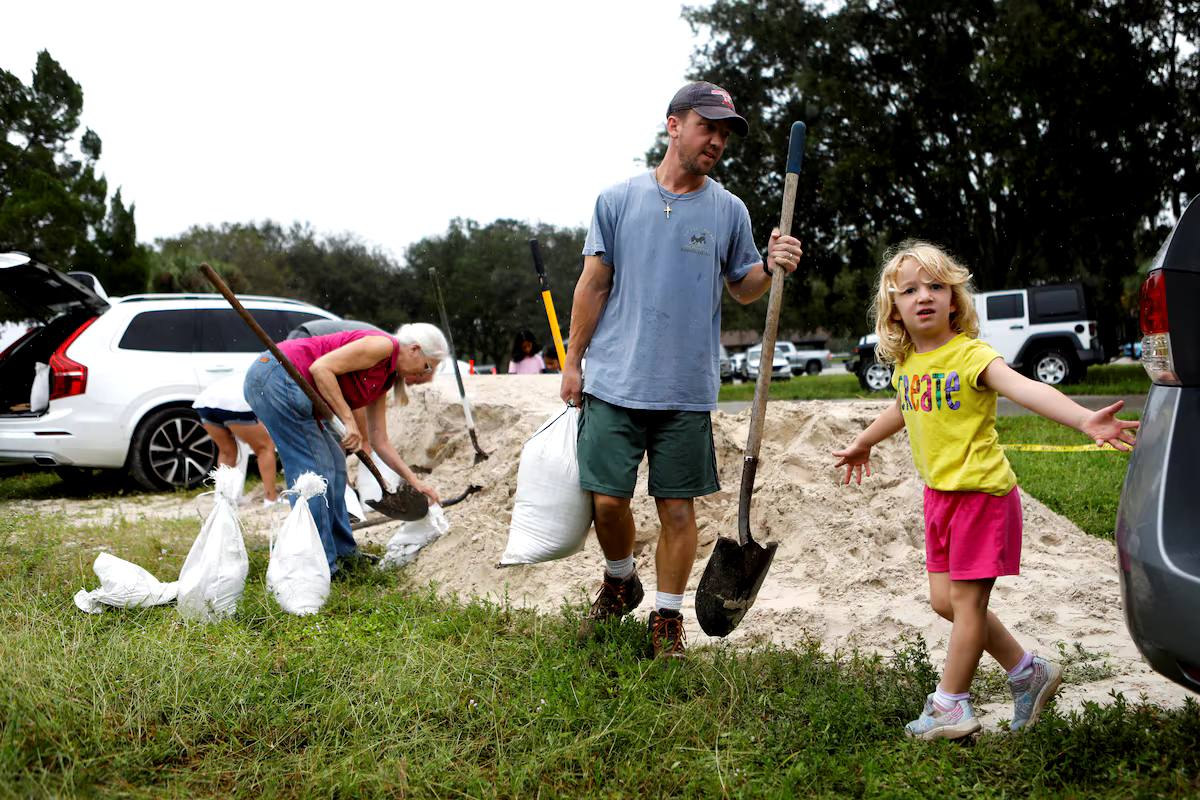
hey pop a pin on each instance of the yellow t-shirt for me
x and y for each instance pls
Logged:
(951, 418)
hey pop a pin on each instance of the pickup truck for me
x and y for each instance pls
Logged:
(805, 360)
(1044, 331)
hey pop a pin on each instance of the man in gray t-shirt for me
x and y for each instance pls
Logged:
(647, 314)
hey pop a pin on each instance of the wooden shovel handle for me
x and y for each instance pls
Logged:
(319, 405)
(762, 386)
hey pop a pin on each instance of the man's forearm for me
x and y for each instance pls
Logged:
(753, 285)
(586, 307)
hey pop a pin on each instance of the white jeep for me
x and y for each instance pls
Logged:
(1044, 331)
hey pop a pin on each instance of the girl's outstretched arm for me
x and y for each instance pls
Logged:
(858, 455)
(1100, 426)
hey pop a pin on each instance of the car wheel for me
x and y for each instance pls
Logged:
(813, 368)
(1051, 367)
(171, 450)
(875, 377)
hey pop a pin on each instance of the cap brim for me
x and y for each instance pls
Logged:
(739, 125)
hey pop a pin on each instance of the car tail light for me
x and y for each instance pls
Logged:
(67, 376)
(1156, 332)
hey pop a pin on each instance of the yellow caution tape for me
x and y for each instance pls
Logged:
(1060, 448)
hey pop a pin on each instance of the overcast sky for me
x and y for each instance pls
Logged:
(382, 119)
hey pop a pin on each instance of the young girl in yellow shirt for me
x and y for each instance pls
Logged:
(946, 384)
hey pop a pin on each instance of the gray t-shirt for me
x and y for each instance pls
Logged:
(657, 343)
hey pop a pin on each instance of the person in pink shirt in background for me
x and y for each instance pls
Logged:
(526, 355)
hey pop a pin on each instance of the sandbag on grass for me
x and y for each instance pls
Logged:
(123, 585)
(298, 575)
(214, 574)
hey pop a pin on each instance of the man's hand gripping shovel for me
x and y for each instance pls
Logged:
(736, 569)
(405, 502)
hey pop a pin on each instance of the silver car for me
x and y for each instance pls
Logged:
(1158, 522)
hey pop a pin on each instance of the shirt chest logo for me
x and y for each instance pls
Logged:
(699, 241)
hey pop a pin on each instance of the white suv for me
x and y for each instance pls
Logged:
(1043, 331)
(123, 372)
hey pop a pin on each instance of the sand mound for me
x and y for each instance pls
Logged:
(850, 565)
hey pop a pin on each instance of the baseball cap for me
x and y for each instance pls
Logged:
(709, 101)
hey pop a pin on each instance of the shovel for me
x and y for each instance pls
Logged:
(406, 503)
(736, 569)
(540, 267)
(462, 391)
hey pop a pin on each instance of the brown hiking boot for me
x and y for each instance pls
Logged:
(666, 633)
(617, 597)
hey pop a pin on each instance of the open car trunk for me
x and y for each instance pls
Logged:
(53, 306)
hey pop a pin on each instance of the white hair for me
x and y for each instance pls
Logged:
(432, 342)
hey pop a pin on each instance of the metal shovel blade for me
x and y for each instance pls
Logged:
(730, 583)
(406, 504)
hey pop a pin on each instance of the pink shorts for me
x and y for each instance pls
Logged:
(972, 535)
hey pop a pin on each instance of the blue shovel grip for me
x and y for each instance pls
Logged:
(796, 147)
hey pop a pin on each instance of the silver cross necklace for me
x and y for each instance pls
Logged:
(663, 197)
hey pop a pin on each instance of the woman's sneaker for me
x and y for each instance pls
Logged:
(1031, 693)
(617, 597)
(934, 723)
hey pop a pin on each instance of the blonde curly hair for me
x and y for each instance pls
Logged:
(895, 344)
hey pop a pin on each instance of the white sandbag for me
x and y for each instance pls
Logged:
(214, 574)
(368, 487)
(298, 575)
(551, 514)
(123, 585)
(39, 393)
(410, 537)
(353, 506)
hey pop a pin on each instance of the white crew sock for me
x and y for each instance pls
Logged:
(619, 569)
(665, 601)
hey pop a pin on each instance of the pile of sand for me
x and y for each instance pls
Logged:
(850, 565)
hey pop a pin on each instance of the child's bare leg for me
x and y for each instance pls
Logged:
(969, 600)
(264, 453)
(226, 446)
(999, 643)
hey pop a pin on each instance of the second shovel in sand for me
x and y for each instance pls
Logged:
(480, 455)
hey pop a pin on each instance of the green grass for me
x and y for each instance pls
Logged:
(1110, 379)
(1084, 487)
(835, 385)
(393, 692)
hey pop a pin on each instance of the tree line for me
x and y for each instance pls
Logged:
(1040, 141)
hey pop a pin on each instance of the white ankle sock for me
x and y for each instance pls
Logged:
(619, 569)
(944, 701)
(665, 601)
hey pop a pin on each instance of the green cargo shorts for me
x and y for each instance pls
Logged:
(679, 445)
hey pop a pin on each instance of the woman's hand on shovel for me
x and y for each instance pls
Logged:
(854, 458)
(428, 491)
(353, 439)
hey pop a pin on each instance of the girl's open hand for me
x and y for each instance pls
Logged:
(855, 459)
(1103, 427)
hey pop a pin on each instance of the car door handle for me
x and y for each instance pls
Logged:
(1015, 327)
(218, 369)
